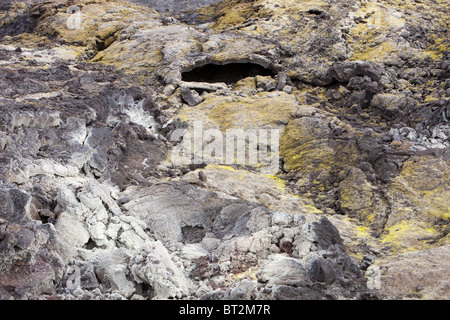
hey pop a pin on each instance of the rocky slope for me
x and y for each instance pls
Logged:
(95, 203)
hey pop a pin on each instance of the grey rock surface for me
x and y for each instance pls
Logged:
(175, 5)
(93, 204)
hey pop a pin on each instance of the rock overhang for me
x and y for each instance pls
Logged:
(325, 75)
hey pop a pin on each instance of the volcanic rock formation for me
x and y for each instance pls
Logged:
(351, 202)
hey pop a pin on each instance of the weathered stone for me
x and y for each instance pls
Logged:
(112, 271)
(343, 72)
(15, 205)
(153, 265)
(243, 290)
(72, 229)
(390, 105)
(304, 145)
(358, 198)
(292, 293)
(32, 256)
(282, 80)
(324, 233)
(203, 86)
(86, 120)
(205, 267)
(412, 218)
(265, 83)
(416, 275)
(320, 270)
(164, 6)
(191, 97)
(280, 270)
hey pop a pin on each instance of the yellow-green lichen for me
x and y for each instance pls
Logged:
(408, 236)
(426, 182)
(374, 39)
(304, 146)
(264, 110)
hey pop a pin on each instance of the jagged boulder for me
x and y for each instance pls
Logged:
(96, 204)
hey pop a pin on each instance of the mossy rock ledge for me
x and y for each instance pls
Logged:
(224, 149)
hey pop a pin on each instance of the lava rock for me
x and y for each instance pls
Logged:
(191, 97)
(325, 234)
(320, 270)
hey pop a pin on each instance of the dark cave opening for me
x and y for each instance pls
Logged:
(90, 244)
(316, 12)
(193, 234)
(229, 73)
